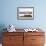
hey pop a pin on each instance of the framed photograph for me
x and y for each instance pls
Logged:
(25, 13)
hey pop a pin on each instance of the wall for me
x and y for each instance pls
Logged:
(8, 13)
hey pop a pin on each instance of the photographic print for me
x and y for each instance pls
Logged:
(25, 13)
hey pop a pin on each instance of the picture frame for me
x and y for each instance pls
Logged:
(25, 13)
